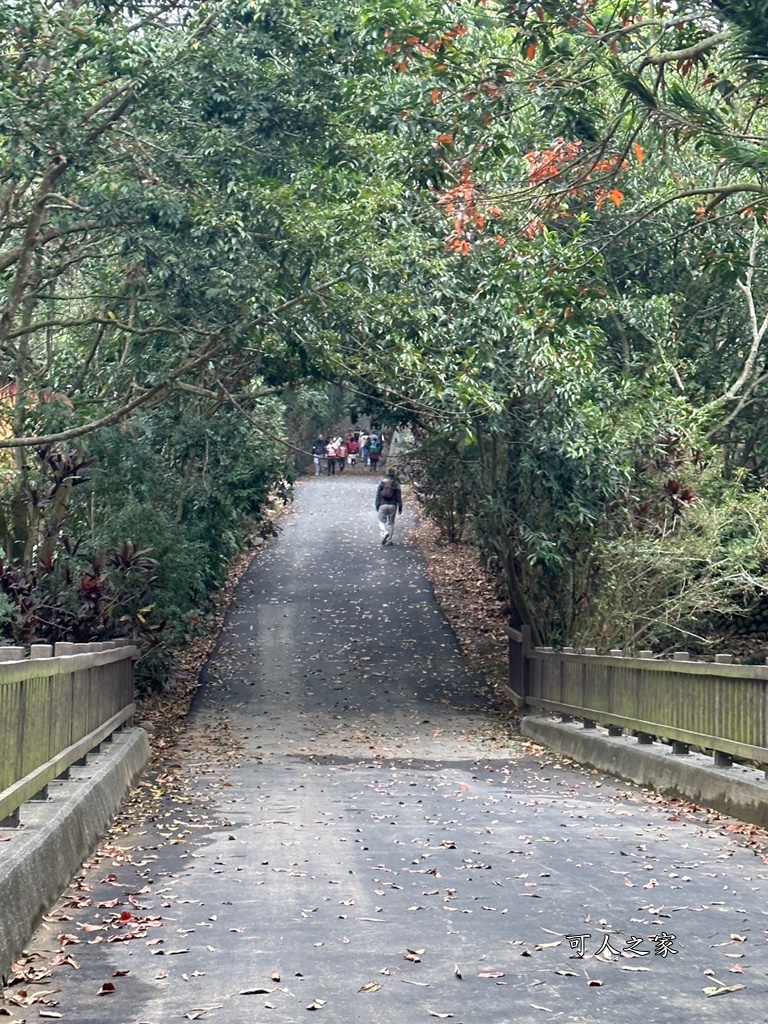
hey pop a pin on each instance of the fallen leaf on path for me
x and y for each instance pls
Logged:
(107, 989)
(60, 959)
(442, 1016)
(317, 1004)
(719, 990)
(370, 986)
(22, 998)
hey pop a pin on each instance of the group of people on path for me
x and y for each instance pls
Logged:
(334, 453)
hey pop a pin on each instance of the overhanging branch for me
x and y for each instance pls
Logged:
(153, 396)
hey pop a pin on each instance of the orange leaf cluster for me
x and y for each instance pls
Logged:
(603, 194)
(430, 47)
(551, 165)
(462, 203)
(544, 164)
(610, 165)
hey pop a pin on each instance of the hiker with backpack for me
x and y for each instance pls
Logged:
(389, 501)
(374, 451)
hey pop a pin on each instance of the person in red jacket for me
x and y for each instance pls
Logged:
(352, 449)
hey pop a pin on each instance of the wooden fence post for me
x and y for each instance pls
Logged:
(525, 665)
(518, 664)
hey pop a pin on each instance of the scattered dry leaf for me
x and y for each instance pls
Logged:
(719, 990)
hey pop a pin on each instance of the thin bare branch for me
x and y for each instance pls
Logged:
(757, 328)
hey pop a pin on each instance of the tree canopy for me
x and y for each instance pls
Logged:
(534, 233)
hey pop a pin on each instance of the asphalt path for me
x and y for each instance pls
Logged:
(347, 830)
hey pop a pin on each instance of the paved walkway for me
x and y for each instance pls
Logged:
(348, 832)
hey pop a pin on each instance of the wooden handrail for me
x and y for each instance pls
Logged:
(717, 706)
(53, 710)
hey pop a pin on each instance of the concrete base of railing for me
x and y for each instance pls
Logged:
(740, 792)
(58, 834)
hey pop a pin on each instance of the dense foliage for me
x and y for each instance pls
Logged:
(532, 233)
(166, 180)
(590, 345)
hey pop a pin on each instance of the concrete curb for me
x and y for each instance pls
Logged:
(58, 834)
(738, 791)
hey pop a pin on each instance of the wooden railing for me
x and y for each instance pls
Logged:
(719, 707)
(56, 707)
